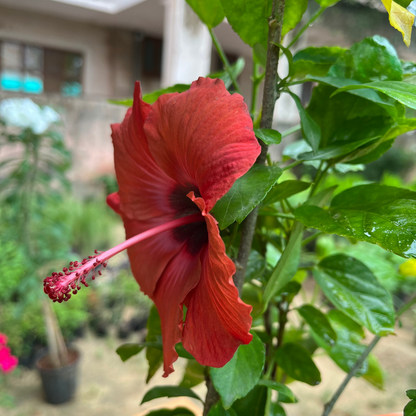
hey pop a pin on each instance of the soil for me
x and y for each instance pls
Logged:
(109, 387)
(46, 362)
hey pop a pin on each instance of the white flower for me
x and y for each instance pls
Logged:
(24, 113)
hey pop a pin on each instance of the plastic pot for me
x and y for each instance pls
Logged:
(59, 383)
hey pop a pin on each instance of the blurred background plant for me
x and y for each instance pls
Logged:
(43, 226)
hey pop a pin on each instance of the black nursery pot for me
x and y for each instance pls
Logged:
(59, 384)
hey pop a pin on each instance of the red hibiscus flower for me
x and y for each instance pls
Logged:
(174, 160)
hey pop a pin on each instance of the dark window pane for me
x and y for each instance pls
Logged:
(73, 67)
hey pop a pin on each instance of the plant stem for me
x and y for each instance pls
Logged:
(224, 59)
(269, 100)
(293, 129)
(329, 405)
(311, 238)
(292, 165)
(256, 80)
(306, 26)
(283, 308)
(211, 398)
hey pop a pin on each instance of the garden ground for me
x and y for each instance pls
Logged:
(109, 387)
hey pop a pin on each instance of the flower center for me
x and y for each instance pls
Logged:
(61, 285)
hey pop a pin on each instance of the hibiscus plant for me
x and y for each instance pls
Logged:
(220, 236)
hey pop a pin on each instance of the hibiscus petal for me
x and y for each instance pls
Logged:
(179, 278)
(144, 187)
(202, 137)
(217, 321)
(149, 258)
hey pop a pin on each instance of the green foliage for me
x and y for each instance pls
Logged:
(178, 411)
(246, 193)
(280, 388)
(410, 408)
(382, 215)
(168, 391)
(249, 19)
(295, 360)
(268, 136)
(354, 290)
(241, 373)
(294, 10)
(210, 13)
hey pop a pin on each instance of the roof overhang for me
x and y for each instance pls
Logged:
(105, 6)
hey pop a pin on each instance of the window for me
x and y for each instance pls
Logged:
(34, 70)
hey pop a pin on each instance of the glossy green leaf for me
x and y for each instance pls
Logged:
(401, 91)
(284, 190)
(255, 266)
(218, 410)
(268, 136)
(318, 322)
(297, 363)
(353, 289)
(210, 12)
(280, 388)
(169, 391)
(382, 215)
(179, 411)
(276, 409)
(194, 374)
(294, 10)
(411, 394)
(311, 130)
(241, 373)
(410, 408)
(154, 356)
(348, 348)
(358, 62)
(246, 193)
(249, 19)
(327, 3)
(253, 404)
(287, 265)
(315, 61)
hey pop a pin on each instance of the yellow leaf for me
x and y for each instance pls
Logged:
(408, 268)
(401, 19)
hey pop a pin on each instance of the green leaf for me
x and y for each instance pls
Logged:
(382, 215)
(241, 373)
(276, 409)
(287, 265)
(280, 388)
(315, 61)
(154, 356)
(127, 351)
(358, 62)
(374, 374)
(268, 136)
(179, 411)
(218, 410)
(152, 97)
(294, 10)
(236, 69)
(210, 12)
(297, 363)
(318, 322)
(194, 374)
(169, 391)
(249, 19)
(353, 289)
(284, 190)
(341, 322)
(253, 404)
(410, 408)
(255, 266)
(411, 394)
(246, 193)
(260, 55)
(401, 91)
(327, 3)
(311, 130)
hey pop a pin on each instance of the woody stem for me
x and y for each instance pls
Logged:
(270, 96)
